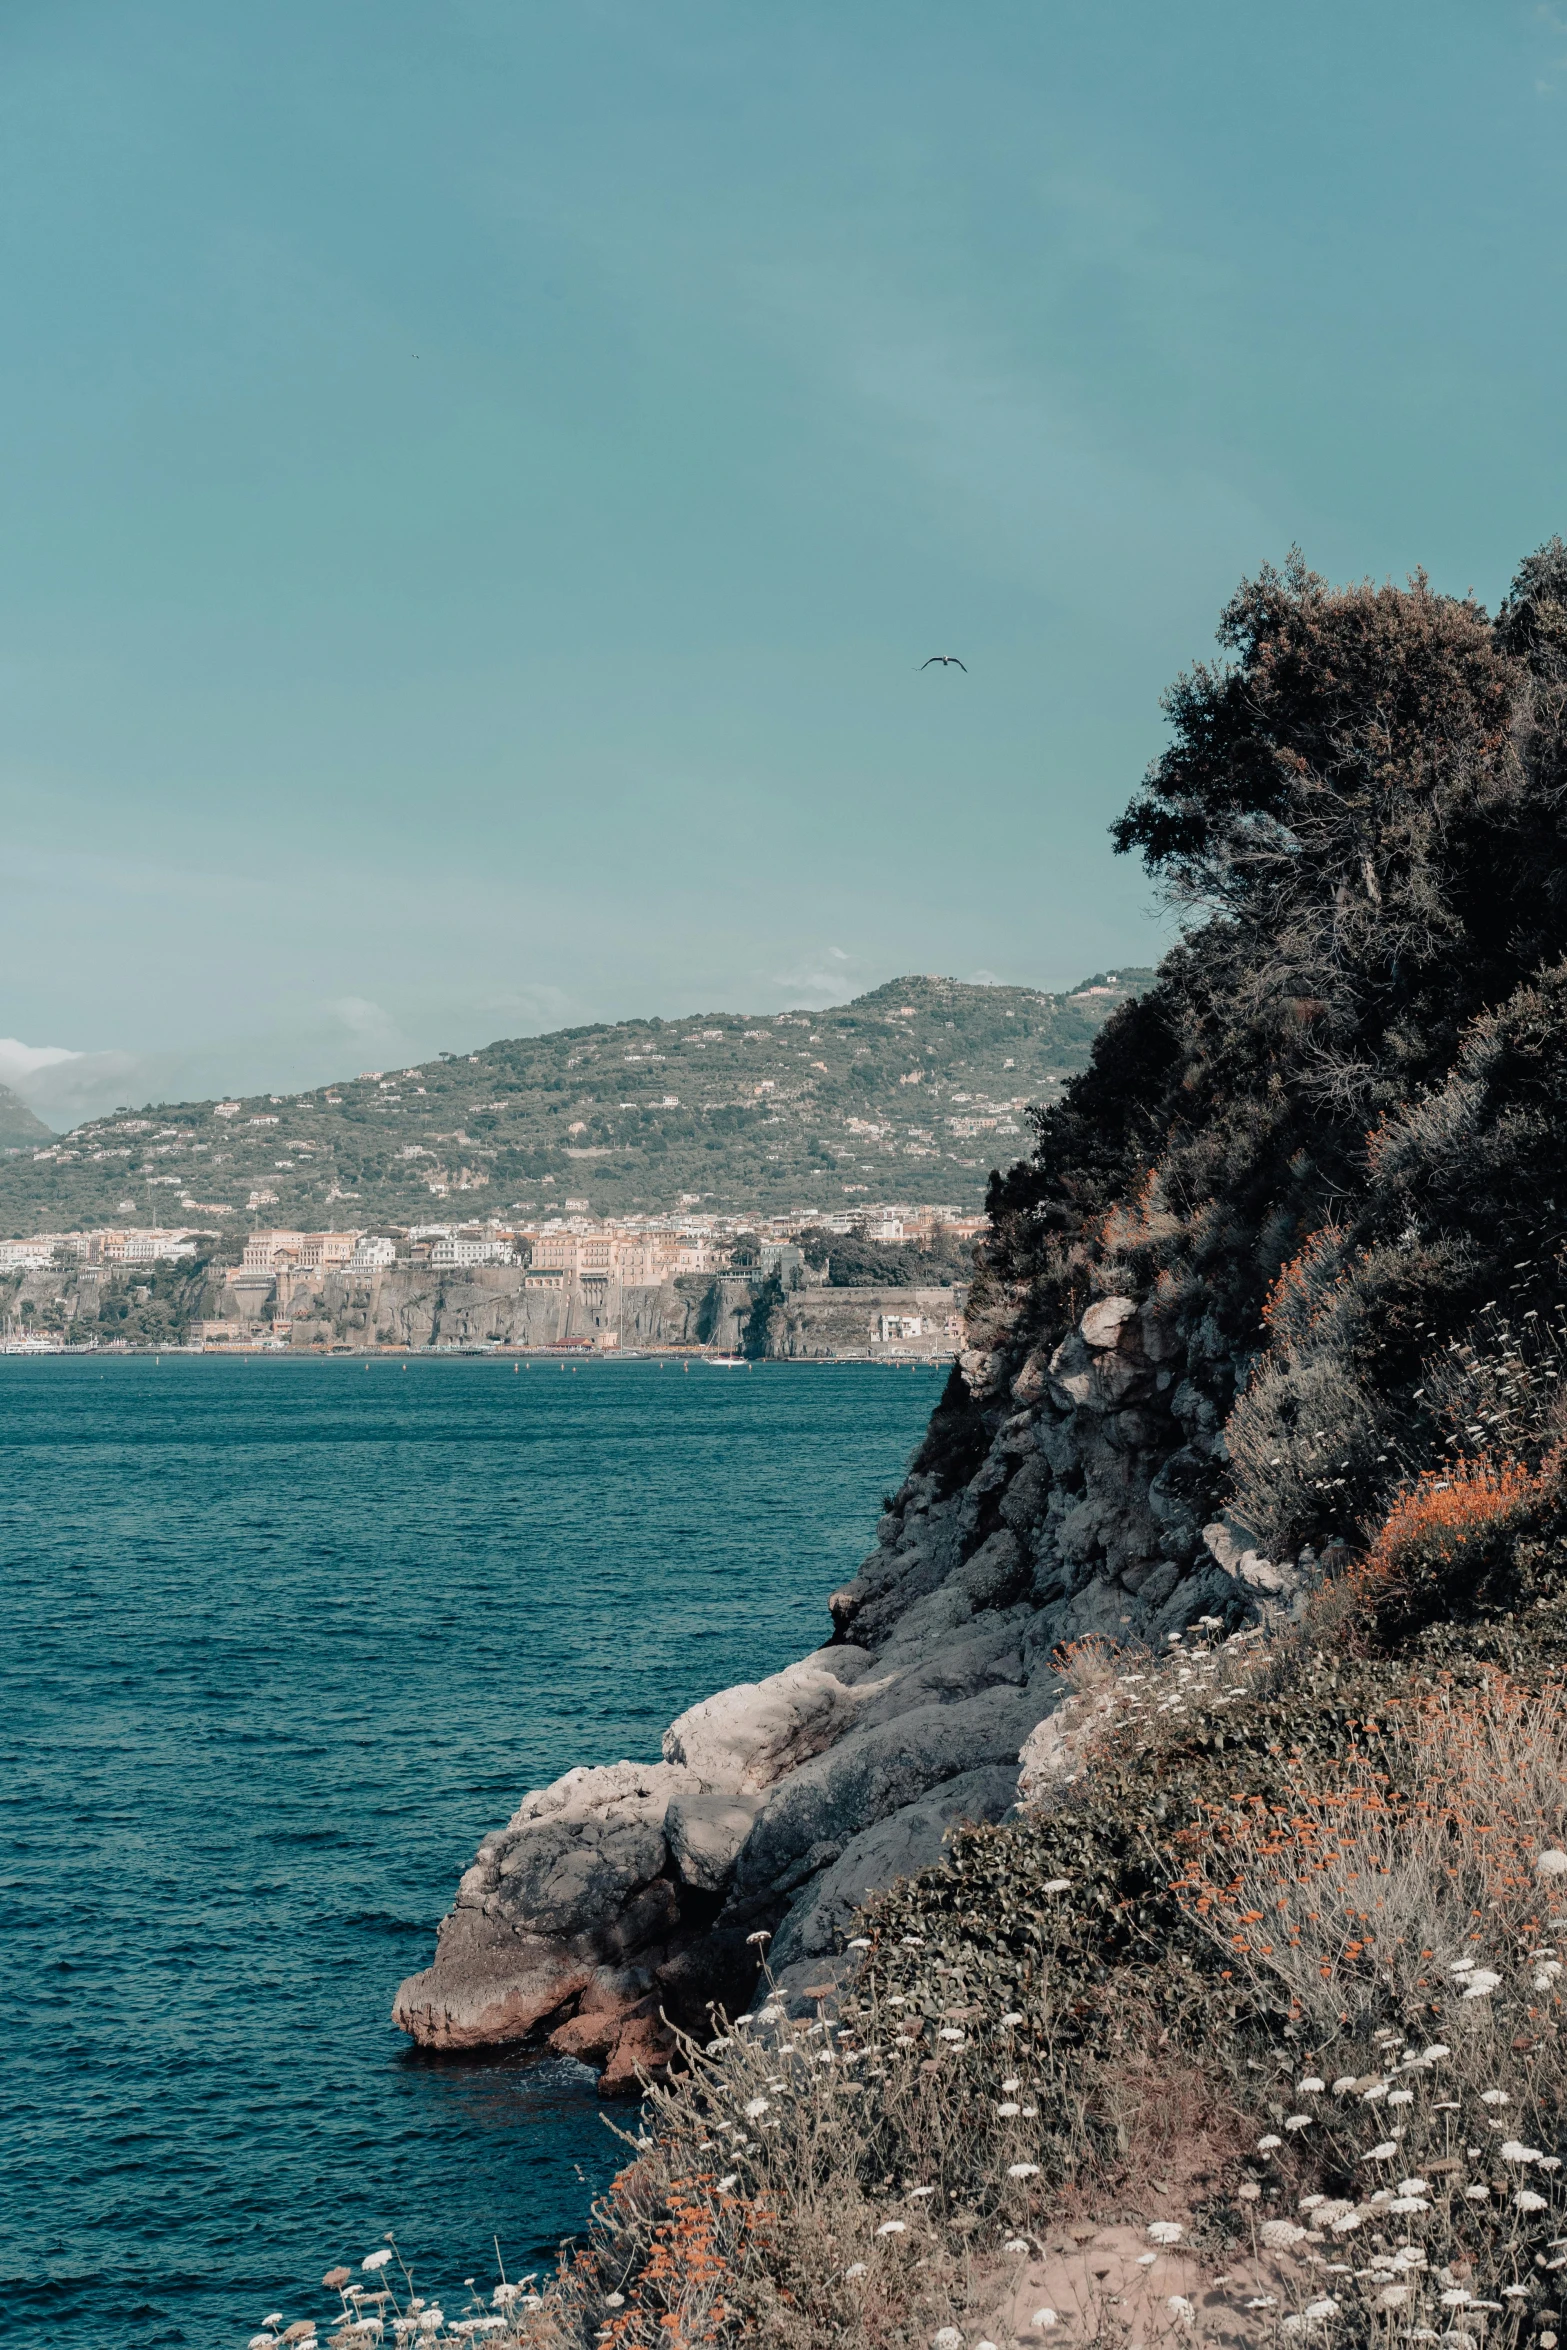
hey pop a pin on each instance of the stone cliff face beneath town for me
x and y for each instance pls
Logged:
(1060, 1492)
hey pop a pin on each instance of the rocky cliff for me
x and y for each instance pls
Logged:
(1061, 1492)
(1244, 1291)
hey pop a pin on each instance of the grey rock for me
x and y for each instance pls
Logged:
(1106, 1321)
(908, 1839)
(747, 1737)
(704, 1834)
(877, 1770)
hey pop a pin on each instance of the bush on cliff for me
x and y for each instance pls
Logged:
(1328, 1133)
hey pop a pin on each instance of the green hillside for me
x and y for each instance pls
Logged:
(913, 1092)
(19, 1129)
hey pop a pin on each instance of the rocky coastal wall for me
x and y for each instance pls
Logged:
(1062, 1491)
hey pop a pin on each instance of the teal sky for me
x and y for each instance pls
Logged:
(479, 478)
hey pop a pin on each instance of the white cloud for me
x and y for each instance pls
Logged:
(360, 1016)
(21, 1061)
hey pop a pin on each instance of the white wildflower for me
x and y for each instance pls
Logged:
(1527, 2200)
(1399, 2097)
(946, 2338)
(1266, 2145)
(756, 2107)
(1317, 2310)
(1298, 2121)
(1380, 2153)
(1409, 2203)
(855, 2269)
(1007, 2109)
(1455, 2297)
(1263, 2301)
(1278, 2234)
(950, 2032)
(1057, 1885)
(1393, 2296)
(1009, 2020)
(1010, 2088)
(376, 2260)
(1310, 2085)
(731, 2178)
(1165, 2231)
(1551, 1863)
(1146, 2259)
(893, 2227)
(1481, 1984)
(1494, 2097)
(918, 2194)
(1434, 2054)
(860, 1942)
(1022, 2170)
(1344, 2083)
(1180, 2308)
(1514, 2150)
(1017, 2244)
(1477, 2194)
(1044, 2317)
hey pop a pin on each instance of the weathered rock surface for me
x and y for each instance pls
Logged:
(1075, 1492)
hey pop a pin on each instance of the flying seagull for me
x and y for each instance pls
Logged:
(947, 660)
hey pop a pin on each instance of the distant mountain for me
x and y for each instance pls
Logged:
(18, 1126)
(913, 1092)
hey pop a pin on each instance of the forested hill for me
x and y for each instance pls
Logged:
(913, 1092)
(19, 1128)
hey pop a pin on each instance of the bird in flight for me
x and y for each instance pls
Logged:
(947, 660)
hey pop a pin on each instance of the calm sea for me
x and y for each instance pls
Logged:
(281, 1640)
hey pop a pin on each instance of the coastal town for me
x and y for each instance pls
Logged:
(884, 1282)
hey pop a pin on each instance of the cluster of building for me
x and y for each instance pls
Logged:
(640, 1252)
(94, 1248)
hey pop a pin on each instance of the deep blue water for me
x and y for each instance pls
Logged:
(281, 1640)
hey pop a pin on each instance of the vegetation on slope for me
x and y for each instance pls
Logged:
(1329, 1133)
(909, 1093)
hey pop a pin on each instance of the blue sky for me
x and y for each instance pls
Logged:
(479, 479)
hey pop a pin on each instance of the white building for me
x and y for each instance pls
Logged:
(452, 1249)
(372, 1254)
(24, 1256)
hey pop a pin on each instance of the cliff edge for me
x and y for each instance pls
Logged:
(1056, 1497)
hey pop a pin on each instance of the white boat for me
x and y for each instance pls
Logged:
(725, 1362)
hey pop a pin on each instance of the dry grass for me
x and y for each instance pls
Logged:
(1339, 2080)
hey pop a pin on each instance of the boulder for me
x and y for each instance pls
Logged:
(704, 1834)
(1107, 1321)
(748, 1737)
